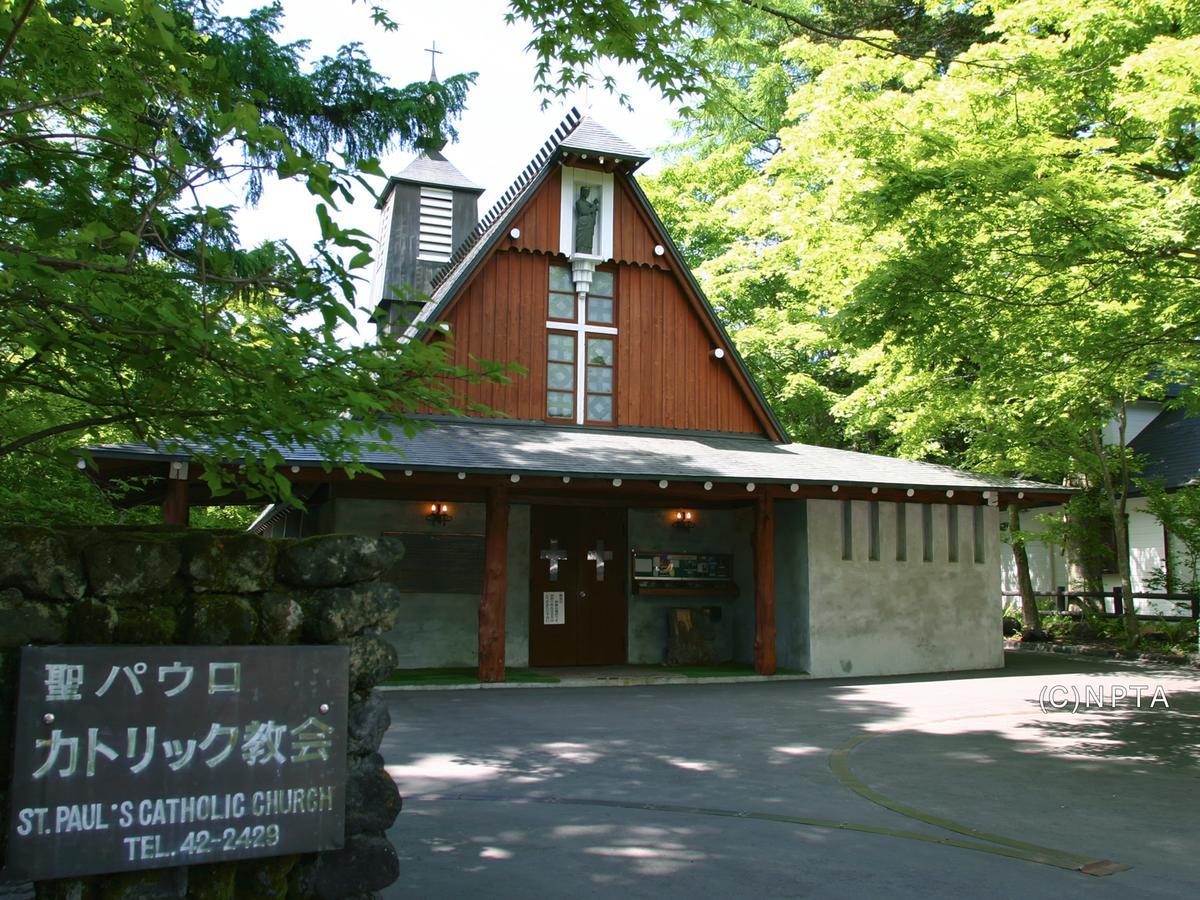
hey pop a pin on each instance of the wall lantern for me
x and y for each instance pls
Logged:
(684, 519)
(439, 513)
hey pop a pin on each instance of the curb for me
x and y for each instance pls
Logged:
(1192, 660)
(602, 682)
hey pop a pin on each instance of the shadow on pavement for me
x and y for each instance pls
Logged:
(482, 771)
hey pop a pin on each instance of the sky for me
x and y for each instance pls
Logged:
(503, 125)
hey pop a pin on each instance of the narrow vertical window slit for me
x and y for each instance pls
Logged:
(847, 530)
(873, 548)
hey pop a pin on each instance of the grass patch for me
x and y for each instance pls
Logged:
(721, 670)
(464, 675)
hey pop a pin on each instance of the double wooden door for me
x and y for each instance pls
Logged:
(578, 602)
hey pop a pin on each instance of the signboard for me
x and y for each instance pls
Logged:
(554, 608)
(133, 757)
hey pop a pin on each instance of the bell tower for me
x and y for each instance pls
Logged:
(426, 212)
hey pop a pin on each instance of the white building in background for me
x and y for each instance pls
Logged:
(1169, 441)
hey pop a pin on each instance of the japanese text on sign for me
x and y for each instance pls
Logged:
(145, 755)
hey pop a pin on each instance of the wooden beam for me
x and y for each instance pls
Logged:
(764, 586)
(495, 587)
(175, 504)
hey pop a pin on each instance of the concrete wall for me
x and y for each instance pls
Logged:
(886, 617)
(652, 530)
(443, 629)
(834, 617)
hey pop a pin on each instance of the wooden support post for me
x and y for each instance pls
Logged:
(764, 586)
(175, 503)
(495, 587)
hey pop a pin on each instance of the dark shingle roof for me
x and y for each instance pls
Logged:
(589, 136)
(1171, 446)
(433, 169)
(490, 447)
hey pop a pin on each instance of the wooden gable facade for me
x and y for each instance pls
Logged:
(673, 366)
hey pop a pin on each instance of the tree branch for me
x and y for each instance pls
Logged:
(63, 428)
(53, 101)
(813, 28)
(77, 265)
(12, 35)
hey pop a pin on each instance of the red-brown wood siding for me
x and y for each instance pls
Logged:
(539, 220)
(669, 378)
(665, 374)
(633, 237)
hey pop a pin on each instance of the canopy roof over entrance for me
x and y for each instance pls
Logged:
(489, 447)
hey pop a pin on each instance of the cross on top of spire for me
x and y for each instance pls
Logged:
(433, 52)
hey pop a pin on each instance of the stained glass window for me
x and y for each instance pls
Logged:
(580, 354)
(600, 379)
(599, 408)
(562, 347)
(560, 376)
(562, 294)
(600, 351)
(600, 299)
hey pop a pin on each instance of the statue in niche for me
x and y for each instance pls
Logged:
(585, 220)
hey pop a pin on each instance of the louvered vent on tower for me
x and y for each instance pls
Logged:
(436, 242)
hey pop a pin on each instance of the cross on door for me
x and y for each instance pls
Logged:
(554, 555)
(599, 555)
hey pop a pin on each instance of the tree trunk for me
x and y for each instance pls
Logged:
(1030, 618)
(1085, 566)
(1120, 532)
(1116, 503)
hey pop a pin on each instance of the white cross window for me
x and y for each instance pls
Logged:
(581, 349)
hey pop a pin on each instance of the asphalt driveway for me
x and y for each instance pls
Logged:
(950, 786)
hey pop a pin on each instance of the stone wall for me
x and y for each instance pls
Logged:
(174, 586)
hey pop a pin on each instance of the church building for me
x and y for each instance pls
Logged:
(632, 498)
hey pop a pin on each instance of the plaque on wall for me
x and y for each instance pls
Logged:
(439, 563)
(130, 757)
